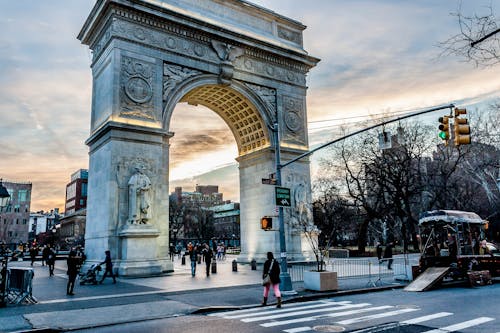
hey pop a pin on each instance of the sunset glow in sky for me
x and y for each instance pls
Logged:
(376, 56)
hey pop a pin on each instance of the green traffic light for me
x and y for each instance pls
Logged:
(443, 135)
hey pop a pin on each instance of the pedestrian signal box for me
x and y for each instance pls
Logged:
(266, 223)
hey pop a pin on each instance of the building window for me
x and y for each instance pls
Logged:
(22, 195)
(10, 233)
(16, 209)
(24, 221)
(84, 189)
(17, 221)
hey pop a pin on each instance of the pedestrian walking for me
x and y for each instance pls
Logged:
(207, 256)
(109, 267)
(73, 263)
(178, 250)
(379, 252)
(388, 254)
(171, 250)
(193, 256)
(51, 260)
(45, 254)
(272, 270)
(219, 251)
(33, 253)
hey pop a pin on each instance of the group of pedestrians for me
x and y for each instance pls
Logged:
(48, 257)
(197, 253)
(387, 254)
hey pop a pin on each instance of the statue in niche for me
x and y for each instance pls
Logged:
(139, 202)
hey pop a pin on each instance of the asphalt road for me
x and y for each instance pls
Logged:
(456, 309)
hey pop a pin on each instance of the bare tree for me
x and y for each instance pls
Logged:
(478, 40)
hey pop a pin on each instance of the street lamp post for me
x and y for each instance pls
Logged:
(4, 202)
(286, 280)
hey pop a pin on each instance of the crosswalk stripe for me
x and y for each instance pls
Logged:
(298, 313)
(426, 318)
(282, 310)
(462, 325)
(288, 307)
(298, 329)
(376, 316)
(336, 314)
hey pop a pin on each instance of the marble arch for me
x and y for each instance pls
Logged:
(242, 61)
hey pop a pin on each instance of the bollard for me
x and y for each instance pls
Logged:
(214, 267)
(235, 266)
(254, 265)
(183, 260)
(199, 259)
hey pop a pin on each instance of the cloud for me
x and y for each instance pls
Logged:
(375, 56)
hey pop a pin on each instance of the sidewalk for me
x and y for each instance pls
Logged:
(135, 299)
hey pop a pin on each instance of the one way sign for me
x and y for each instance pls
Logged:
(283, 196)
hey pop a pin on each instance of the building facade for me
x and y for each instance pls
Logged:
(44, 226)
(227, 220)
(76, 192)
(14, 218)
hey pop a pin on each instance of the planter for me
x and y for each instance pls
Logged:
(320, 281)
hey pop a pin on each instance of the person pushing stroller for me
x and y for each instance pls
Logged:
(109, 267)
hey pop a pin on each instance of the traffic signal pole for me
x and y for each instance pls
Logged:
(286, 280)
(450, 106)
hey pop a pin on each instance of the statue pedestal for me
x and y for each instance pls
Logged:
(138, 256)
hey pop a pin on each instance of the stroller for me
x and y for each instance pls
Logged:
(91, 275)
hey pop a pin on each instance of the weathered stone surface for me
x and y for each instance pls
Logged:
(151, 55)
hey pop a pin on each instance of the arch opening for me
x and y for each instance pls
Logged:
(239, 113)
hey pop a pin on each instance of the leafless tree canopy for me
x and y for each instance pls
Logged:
(380, 193)
(478, 40)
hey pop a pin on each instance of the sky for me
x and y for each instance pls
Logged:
(376, 56)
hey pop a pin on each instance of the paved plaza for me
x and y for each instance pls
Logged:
(136, 299)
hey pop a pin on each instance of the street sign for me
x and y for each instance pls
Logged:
(269, 181)
(283, 197)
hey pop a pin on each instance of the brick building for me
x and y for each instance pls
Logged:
(14, 218)
(76, 192)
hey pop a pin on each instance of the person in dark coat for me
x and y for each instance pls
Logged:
(73, 263)
(51, 260)
(109, 267)
(207, 257)
(45, 254)
(388, 254)
(33, 253)
(272, 268)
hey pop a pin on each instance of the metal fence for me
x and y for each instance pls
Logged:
(19, 285)
(363, 268)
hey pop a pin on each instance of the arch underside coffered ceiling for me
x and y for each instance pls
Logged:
(237, 111)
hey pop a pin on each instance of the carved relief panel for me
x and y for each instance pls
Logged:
(293, 119)
(137, 89)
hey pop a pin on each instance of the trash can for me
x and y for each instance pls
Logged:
(253, 263)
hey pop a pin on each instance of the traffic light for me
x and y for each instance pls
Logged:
(461, 128)
(444, 127)
(266, 223)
